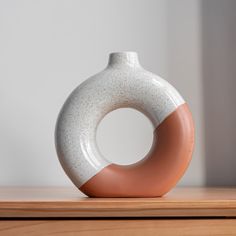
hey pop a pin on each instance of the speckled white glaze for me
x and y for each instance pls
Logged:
(123, 83)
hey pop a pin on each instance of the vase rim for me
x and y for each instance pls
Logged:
(125, 58)
(124, 52)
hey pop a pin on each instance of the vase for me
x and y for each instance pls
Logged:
(125, 83)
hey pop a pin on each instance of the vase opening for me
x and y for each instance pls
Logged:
(117, 59)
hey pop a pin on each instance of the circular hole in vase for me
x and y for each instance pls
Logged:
(124, 136)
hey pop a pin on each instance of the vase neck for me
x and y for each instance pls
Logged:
(123, 59)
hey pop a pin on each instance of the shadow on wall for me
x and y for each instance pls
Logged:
(219, 90)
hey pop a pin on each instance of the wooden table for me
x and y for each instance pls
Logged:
(64, 211)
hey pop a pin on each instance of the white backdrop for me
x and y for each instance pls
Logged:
(47, 48)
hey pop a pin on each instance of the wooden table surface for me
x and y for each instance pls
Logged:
(69, 202)
(66, 212)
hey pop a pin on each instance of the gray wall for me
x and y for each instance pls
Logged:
(49, 47)
(219, 84)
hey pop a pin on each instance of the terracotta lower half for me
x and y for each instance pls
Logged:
(159, 171)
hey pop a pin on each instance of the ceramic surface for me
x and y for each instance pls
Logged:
(123, 83)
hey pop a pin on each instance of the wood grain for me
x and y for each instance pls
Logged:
(69, 202)
(119, 227)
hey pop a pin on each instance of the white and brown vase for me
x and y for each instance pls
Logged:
(124, 83)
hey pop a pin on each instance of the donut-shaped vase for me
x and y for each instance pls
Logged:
(124, 83)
